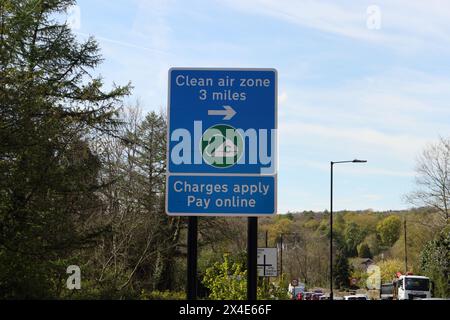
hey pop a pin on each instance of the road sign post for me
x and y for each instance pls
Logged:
(252, 252)
(222, 147)
(192, 259)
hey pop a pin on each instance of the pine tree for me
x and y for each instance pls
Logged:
(151, 157)
(51, 108)
(341, 271)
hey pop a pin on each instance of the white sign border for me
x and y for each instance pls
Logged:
(168, 173)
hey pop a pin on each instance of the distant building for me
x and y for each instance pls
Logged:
(366, 262)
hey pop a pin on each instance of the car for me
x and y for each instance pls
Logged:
(316, 296)
(324, 297)
(318, 291)
(307, 295)
(356, 297)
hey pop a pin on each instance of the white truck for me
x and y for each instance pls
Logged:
(409, 286)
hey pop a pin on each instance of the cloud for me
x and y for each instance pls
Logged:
(404, 24)
(403, 145)
(395, 112)
(150, 25)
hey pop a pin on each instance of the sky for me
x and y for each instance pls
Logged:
(357, 79)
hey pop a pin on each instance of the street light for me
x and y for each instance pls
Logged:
(331, 219)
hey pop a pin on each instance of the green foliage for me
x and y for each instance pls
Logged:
(389, 230)
(281, 225)
(339, 223)
(226, 280)
(388, 269)
(342, 271)
(435, 263)
(372, 240)
(273, 291)
(289, 216)
(163, 295)
(312, 224)
(364, 251)
(361, 276)
(353, 235)
(50, 106)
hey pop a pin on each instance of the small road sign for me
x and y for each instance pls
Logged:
(267, 262)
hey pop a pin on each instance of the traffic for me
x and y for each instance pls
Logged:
(403, 287)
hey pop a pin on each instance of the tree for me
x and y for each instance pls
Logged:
(142, 251)
(389, 230)
(388, 269)
(151, 164)
(353, 236)
(282, 224)
(342, 271)
(51, 108)
(364, 251)
(373, 241)
(435, 263)
(433, 179)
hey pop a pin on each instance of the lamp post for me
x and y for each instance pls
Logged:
(332, 163)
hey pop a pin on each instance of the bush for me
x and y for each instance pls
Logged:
(163, 295)
(226, 280)
(273, 291)
(435, 263)
(389, 267)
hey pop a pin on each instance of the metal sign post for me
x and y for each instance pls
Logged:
(252, 254)
(192, 259)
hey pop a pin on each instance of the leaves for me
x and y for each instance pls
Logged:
(435, 263)
(49, 113)
(226, 280)
(389, 230)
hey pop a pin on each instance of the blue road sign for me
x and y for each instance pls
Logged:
(222, 137)
(233, 195)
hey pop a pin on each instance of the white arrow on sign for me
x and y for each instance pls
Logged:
(228, 112)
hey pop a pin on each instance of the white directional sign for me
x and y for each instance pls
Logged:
(267, 262)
